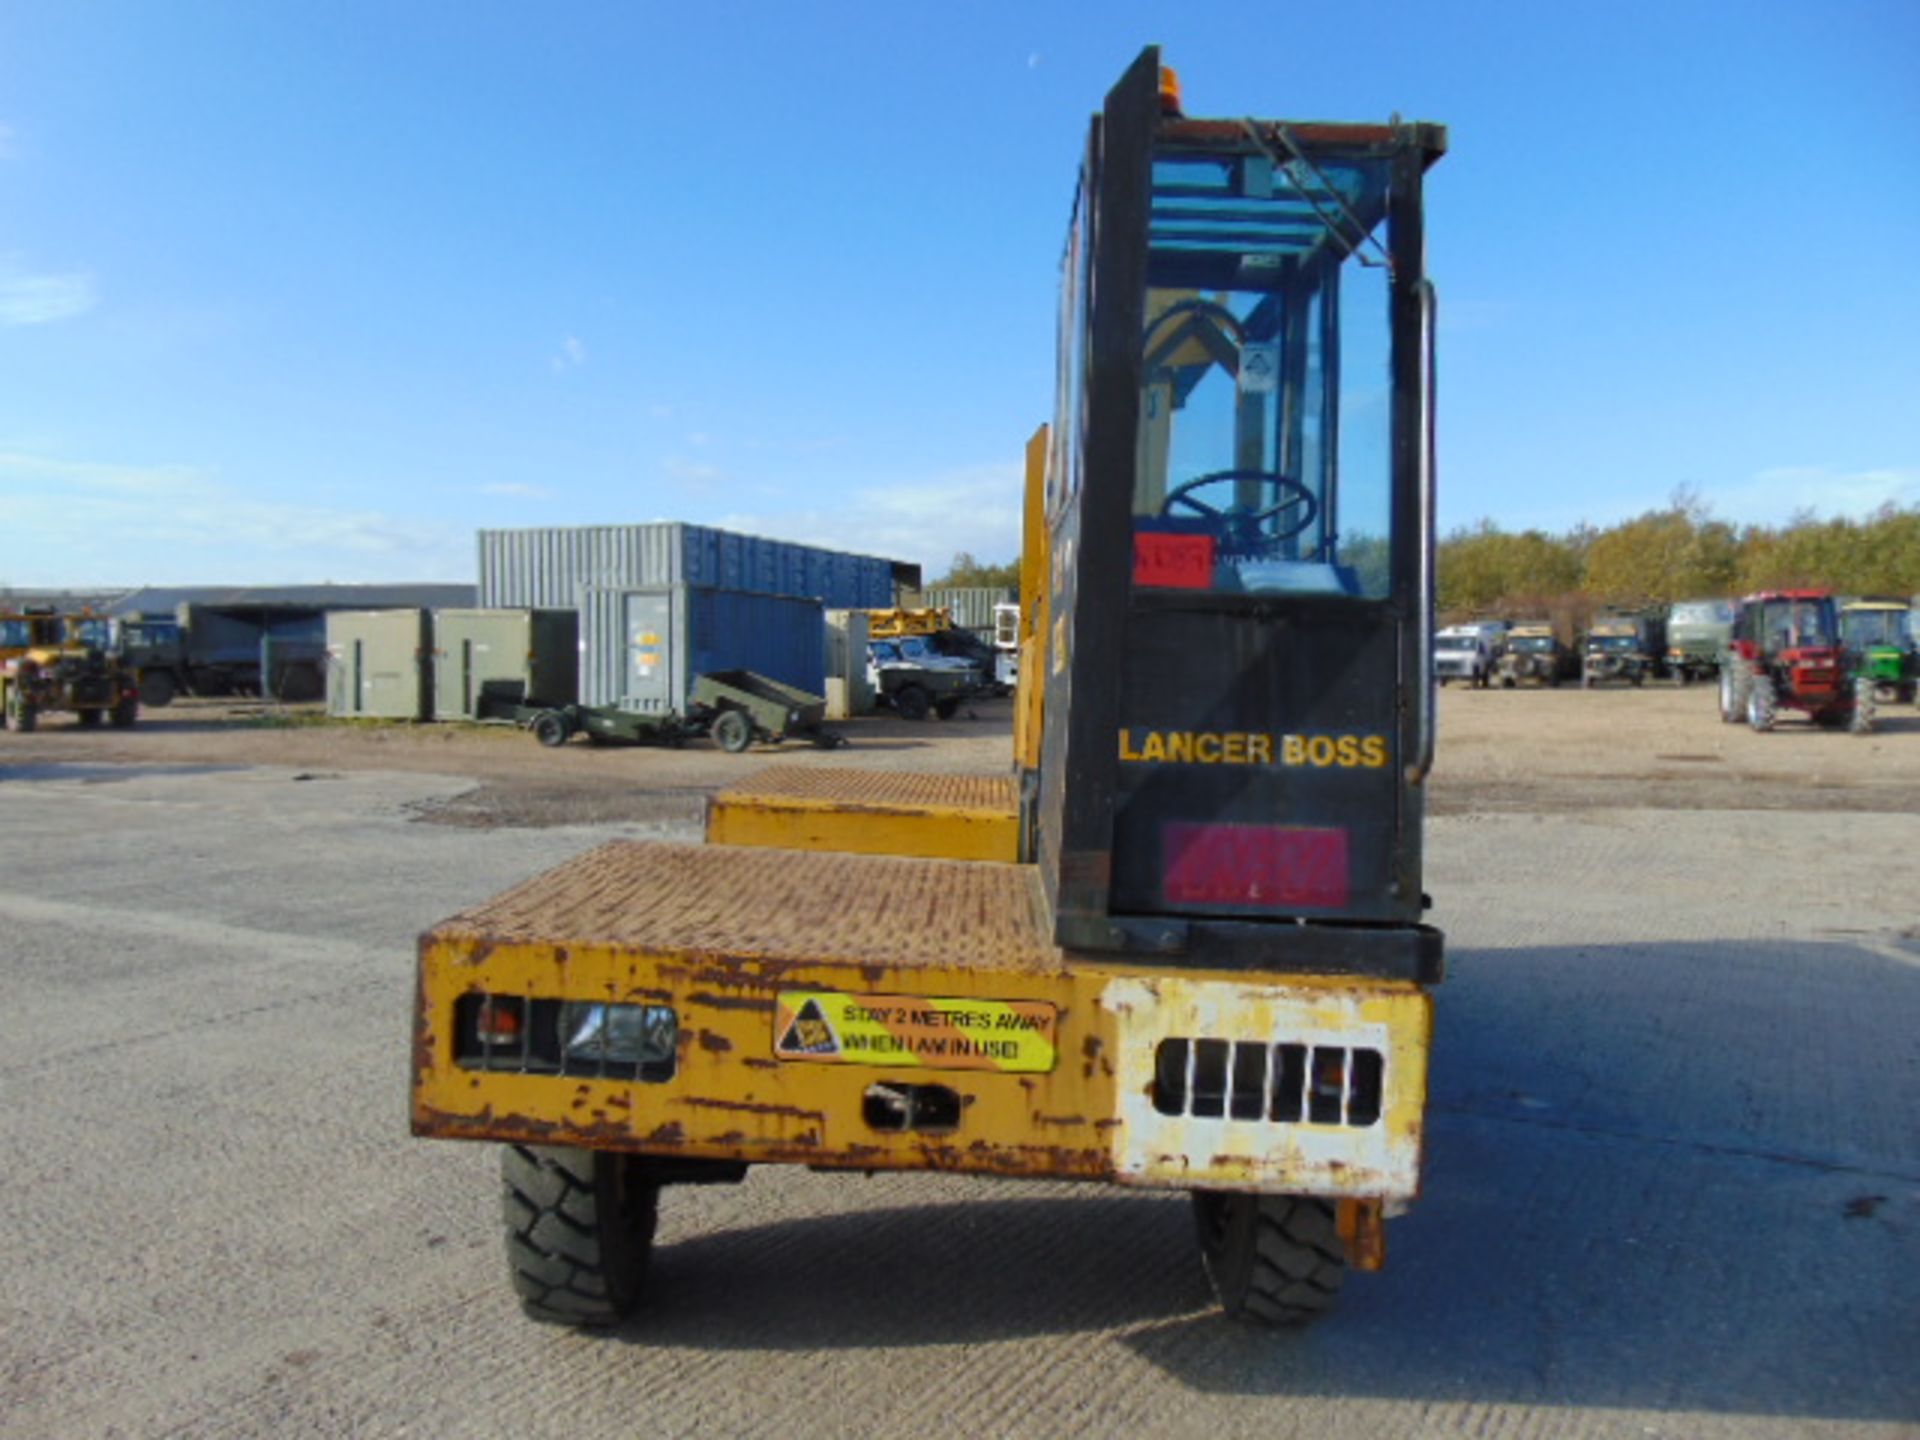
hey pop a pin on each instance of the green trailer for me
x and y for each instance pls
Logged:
(735, 708)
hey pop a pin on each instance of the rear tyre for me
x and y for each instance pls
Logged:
(550, 729)
(24, 714)
(1761, 704)
(945, 709)
(156, 689)
(89, 718)
(912, 703)
(125, 711)
(733, 732)
(579, 1231)
(1273, 1259)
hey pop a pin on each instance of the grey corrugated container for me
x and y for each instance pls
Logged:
(521, 656)
(377, 662)
(551, 567)
(642, 647)
(972, 605)
(847, 663)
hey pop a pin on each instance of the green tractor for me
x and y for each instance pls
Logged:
(1879, 636)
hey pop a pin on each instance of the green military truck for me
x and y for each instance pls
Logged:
(1699, 632)
(1534, 655)
(1622, 647)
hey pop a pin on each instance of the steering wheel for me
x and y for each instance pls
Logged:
(1243, 526)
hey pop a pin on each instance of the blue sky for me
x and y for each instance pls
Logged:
(293, 293)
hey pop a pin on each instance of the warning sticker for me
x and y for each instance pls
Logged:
(949, 1034)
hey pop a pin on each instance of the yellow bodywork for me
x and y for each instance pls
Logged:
(870, 812)
(736, 941)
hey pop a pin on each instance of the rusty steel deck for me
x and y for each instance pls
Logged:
(813, 989)
(871, 812)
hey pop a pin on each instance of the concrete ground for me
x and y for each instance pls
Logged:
(1673, 1184)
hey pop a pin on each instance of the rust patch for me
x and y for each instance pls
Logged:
(757, 1062)
(1040, 1119)
(474, 956)
(671, 1133)
(713, 1043)
(755, 1107)
(731, 1002)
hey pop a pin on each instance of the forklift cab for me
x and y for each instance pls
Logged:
(1240, 494)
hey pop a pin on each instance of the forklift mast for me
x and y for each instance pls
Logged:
(1239, 499)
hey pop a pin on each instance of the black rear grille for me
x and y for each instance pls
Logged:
(1278, 1084)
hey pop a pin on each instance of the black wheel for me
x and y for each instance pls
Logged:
(946, 709)
(24, 714)
(125, 711)
(1273, 1259)
(579, 1231)
(550, 729)
(912, 703)
(1761, 703)
(89, 718)
(157, 689)
(732, 732)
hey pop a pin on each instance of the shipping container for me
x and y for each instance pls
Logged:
(552, 567)
(514, 656)
(377, 664)
(641, 647)
(972, 605)
(849, 690)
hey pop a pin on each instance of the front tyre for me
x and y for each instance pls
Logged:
(579, 1231)
(1762, 705)
(733, 731)
(912, 703)
(1273, 1259)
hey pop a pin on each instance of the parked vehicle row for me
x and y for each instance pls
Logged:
(1875, 641)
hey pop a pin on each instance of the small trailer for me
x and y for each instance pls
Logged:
(734, 708)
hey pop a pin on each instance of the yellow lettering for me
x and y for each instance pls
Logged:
(1349, 752)
(1155, 748)
(1208, 749)
(1320, 752)
(1127, 752)
(1259, 749)
(1373, 752)
(1236, 751)
(1180, 746)
(1293, 750)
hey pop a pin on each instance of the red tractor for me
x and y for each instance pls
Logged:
(1787, 655)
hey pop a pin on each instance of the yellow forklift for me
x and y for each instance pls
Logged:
(1181, 945)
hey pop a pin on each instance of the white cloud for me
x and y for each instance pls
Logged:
(30, 299)
(71, 523)
(573, 354)
(514, 490)
(1774, 496)
(924, 520)
(694, 474)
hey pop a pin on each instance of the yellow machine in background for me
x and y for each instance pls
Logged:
(1180, 944)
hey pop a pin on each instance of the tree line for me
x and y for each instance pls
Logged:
(1677, 553)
